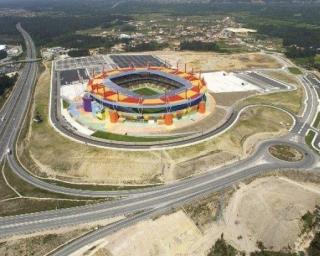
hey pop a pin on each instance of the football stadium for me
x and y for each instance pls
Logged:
(145, 94)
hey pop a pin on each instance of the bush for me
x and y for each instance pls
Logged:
(6, 82)
(3, 54)
(199, 46)
(79, 53)
(314, 248)
(221, 248)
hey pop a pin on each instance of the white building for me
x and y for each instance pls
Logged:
(3, 47)
(238, 31)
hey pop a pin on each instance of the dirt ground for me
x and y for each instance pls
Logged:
(268, 209)
(208, 61)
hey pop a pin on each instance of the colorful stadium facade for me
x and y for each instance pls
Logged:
(157, 94)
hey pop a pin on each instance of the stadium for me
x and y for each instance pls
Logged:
(148, 94)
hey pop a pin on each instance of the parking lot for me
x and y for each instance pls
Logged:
(123, 61)
(96, 62)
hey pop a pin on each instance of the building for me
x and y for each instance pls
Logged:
(152, 94)
(3, 47)
(240, 32)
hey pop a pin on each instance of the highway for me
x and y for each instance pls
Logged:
(136, 204)
(14, 110)
(166, 196)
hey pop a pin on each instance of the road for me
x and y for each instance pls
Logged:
(19, 61)
(137, 204)
(14, 110)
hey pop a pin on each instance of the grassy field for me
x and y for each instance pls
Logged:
(39, 245)
(286, 153)
(119, 137)
(291, 101)
(236, 141)
(22, 197)
(309, 138)
(317, 121)
(146, 91)
(294, 71)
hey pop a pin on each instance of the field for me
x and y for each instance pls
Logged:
(295, 71)
(118, 137)
(254, 124)
(286, 153)
(291, 101)
(317, 121)
(18, 197)
(42, 243)
(146, 91)
(208, 61)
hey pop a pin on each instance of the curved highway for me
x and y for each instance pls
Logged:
(141, 203)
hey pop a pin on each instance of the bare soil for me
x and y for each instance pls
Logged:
(208, 61)
(268, 209)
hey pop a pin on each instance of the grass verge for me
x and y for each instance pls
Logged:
(22, 197)
(119, 137)
(309, 138)
(294, 71)
(286, 153)
(291, 101)
(317, 121)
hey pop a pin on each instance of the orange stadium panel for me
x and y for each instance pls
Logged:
(114, 117)
(168, 119)
(202, 107)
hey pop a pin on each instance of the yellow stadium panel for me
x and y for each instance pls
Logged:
(100, 90)
(191, 93)
(195, 82)
(184, 75)
(97, 81)
(183, 95)
(113, 72)
(166, 70)
(152, 101)
(122, 97)
(113, 97)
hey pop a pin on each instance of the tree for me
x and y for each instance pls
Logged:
(3, 54)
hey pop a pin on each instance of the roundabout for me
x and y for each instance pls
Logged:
(286, 153)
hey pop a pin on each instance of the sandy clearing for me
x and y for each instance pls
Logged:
(268, 209)
(168, 235)
(209, 61)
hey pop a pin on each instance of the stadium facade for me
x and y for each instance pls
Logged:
(151, 94)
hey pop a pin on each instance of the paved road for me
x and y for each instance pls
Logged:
(148, 202)
(14, 110)
(19, 61)
(159, 198)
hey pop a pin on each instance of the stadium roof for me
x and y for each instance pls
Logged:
(108, 82)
